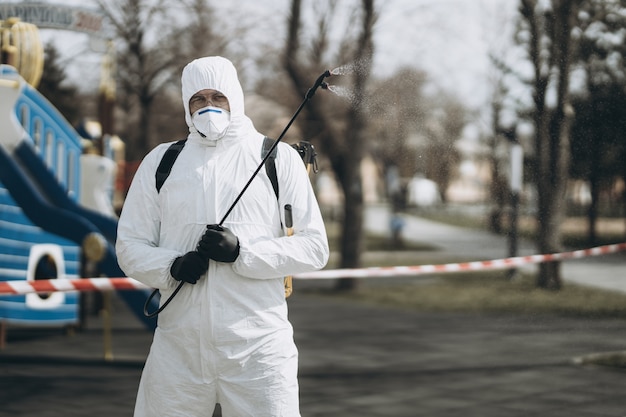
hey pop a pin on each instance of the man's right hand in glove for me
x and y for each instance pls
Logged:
(219, 243)
(190, 267)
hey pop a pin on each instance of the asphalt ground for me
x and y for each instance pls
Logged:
(355, 360)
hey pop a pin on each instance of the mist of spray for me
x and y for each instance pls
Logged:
(345, 92)
(342, 92)
(355, 67)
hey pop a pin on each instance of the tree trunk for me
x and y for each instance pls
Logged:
(498, 189)
(344, 146)
(549, 216)
(623, 174)
(594, 185)
(143, 141)
(352, 240)
(352, 237)
(552, 124)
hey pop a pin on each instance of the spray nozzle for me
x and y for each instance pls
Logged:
(318, 83)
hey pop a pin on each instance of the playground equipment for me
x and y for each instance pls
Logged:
(44, 232)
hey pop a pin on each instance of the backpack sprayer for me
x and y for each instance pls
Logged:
(310, 93)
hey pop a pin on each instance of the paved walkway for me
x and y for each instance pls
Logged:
(605, 271)
(356, 360)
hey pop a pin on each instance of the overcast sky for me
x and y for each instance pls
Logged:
(450, 39)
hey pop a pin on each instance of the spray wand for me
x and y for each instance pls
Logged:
(318, 83)
(309, 94)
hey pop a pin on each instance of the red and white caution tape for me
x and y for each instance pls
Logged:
(377, 272)
(104, 284)
(64, 285)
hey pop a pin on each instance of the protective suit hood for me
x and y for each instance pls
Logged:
(216, 73)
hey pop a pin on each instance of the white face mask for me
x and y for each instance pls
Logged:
(212, 122)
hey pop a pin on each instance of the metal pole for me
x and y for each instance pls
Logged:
(517, 164)
(107, 327)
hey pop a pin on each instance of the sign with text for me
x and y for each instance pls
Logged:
(51, 16)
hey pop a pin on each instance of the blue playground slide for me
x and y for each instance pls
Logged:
(36, 188)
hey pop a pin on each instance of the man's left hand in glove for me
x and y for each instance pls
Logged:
(219, 243)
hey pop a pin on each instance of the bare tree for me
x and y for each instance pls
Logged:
(444, 127)
(143, 67)
(499, 191)
(155, 39)
(549, 25)
(342, 139)
(55, 87)
(198, 33)
(499, 188)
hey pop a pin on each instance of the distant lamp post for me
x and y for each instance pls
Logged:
(516, 177)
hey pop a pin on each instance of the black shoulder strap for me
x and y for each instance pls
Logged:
(270, 163)
(167, 162)
(165, 166)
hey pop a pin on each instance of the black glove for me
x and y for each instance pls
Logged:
(189, 267)
(219, 243)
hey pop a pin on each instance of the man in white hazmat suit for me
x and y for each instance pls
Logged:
(225, 339)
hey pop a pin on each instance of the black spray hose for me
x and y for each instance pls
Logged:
(310, 93)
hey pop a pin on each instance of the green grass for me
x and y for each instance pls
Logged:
(610, 359)
(491, 292)
(480, 292)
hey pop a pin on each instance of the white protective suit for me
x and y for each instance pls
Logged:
(226, 339)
